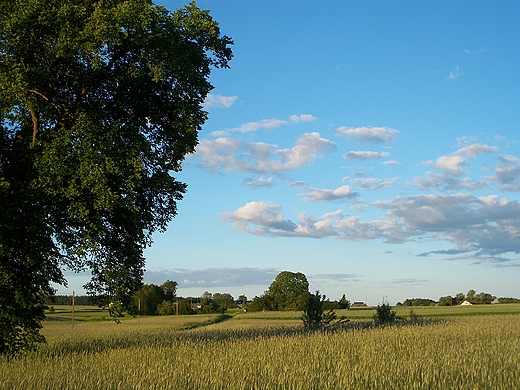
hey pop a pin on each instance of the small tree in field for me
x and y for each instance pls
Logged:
(344, 303)
(384, 314)
(313, 314)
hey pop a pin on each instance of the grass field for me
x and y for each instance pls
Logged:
(273, 351)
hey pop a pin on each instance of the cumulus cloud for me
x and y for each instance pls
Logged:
(374, 135)
(451, 164)
(507, 173)
(318, 195)
(261, 218)
(219, 101)
(453, 167)
(264, 218)
(474, 150)
(258, 157)
(364, 155)
(485, 225)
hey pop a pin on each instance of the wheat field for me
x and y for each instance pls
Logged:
(480, 352)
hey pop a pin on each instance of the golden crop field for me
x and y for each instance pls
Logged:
(469, 352)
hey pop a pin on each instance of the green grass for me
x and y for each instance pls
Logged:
(81, 313)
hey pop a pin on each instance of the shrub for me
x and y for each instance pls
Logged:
(384, 314)
(313, 314)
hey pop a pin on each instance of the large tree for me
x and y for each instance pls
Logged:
(289, 291)
(100, 101)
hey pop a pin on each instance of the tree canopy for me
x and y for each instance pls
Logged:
(100, 101)
(289, 291)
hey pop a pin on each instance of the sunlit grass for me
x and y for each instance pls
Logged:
(455, 353)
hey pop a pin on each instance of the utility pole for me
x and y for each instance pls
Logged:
(73, 293)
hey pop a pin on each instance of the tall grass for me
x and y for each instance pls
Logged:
(456, 353)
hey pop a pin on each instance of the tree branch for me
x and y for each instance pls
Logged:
(34, 117)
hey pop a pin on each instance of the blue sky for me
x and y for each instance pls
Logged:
(373, 146)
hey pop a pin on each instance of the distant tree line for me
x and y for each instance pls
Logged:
(418, 302)
(449, 300)
(82, 300)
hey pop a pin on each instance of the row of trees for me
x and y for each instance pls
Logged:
(449, 300)
(290, 291)
(163, 300)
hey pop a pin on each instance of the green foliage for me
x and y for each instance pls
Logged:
(289, 291)
(167, 308)
(314, 314)
(419, 302)
(185, 307)
(169, 290)
(100, 101)
(150, 296)
(216, 303)
(384, 314)
(343, 303)
(79, 300)
(224, 300)
(459, 298)
(262, 303)
(508, 300)
(471, 296)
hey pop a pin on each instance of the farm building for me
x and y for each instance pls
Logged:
(466, 303)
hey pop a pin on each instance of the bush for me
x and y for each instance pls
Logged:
(313, 314)
(384, 314)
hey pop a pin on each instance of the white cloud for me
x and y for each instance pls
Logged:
(261, 182)
(487, 225)
(373, 183)
(264, 218)
(474, 150)
(375, 135)
(451, 164)
(392, 163)
(219, 101)
(258, 157)
(266, 124)
(265, 215)
(303, 118)
(318, 195)
(364, 155)
(455, 74)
